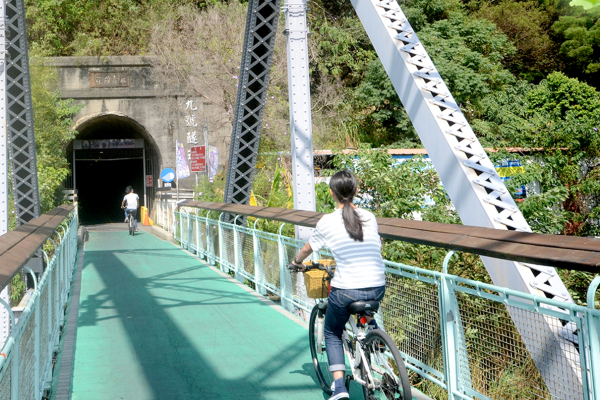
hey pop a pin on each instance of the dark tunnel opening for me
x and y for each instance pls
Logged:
(110, 153)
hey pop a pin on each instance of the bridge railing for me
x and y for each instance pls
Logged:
(456, 335)
(26, 360)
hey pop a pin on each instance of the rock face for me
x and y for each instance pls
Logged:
(122, 101)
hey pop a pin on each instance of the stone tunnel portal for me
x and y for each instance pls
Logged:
(110, 152)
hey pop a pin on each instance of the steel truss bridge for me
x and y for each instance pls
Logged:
(475, 188)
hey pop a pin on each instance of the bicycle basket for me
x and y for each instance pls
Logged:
(317, 281)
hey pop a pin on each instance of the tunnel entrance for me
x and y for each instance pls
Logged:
(110, 153)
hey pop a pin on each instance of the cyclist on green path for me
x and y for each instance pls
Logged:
(132, 201)
(351, 234)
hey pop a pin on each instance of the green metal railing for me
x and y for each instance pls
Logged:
(26, 360)
(456, 335)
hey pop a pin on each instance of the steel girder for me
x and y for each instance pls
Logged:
(259, 42)
(4, 317)
(300, 107)
(20, 116)
(3, 137)
(472, 182)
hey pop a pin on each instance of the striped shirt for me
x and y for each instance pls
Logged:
(359, 264)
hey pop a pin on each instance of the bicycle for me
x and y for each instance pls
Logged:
(130, 221)
(374, 358)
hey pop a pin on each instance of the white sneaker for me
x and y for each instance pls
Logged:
(340, 396)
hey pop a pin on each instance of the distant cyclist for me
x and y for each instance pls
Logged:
(132, 200)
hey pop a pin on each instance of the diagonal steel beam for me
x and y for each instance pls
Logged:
(19, 116)
(257, 55)
(474, 186)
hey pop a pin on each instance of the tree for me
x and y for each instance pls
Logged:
(468, 52)
(580, 37)
(558, 123)
(527, 25)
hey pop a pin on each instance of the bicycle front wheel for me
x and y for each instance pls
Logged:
(317, 347)
(388, 372)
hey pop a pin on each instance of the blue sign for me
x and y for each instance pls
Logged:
(167, 175)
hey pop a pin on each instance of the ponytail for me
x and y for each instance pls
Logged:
(343, 185)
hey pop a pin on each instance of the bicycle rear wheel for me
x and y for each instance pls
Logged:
(386, 367)
(317, 350)
(131, 226)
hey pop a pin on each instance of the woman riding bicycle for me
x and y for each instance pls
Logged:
(352, 236)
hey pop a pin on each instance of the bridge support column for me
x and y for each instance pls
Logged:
(296, 31)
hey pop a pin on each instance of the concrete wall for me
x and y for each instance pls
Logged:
(125, 86)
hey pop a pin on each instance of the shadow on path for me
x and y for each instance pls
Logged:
(155, 323)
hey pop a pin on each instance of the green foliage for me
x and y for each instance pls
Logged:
(210, 190)
(344, 49)
(580, 37)
(17, 289)
(325, 202)
(558, 95)
(468, 53)
(527, 25)
(52, 121)
(396, 190)
(94, 27)
(381, 116)
(559, 122)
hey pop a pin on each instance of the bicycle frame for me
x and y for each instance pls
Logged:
(360, 357)
(355, 360)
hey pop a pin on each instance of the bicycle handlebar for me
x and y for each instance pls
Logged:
(314, 265)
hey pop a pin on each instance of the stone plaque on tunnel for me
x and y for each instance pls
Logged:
(109, 79)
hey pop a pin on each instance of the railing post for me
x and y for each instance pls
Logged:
(210, 256)
(593, 330)
(36, 347)
(223, 266)
(189, 231)
(239, 260)
(15, 367)
(180, 227)
(285, 286)
(259, 268)
(447, 321)
(197, 233)
(451, 333)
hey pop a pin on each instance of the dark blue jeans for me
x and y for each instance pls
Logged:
(133, 214)
(336, 317)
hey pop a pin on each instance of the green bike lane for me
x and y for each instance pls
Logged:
(154, 322)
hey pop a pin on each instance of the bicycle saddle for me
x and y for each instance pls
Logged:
(362, 306)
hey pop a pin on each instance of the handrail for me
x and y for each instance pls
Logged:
(19, 245)
(448, 328)
(575, 253)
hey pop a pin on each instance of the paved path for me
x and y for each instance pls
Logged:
(156, 323)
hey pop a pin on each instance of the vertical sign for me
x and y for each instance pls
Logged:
(183, 170)
(213, 161)
(198, 158)
(149, 181)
